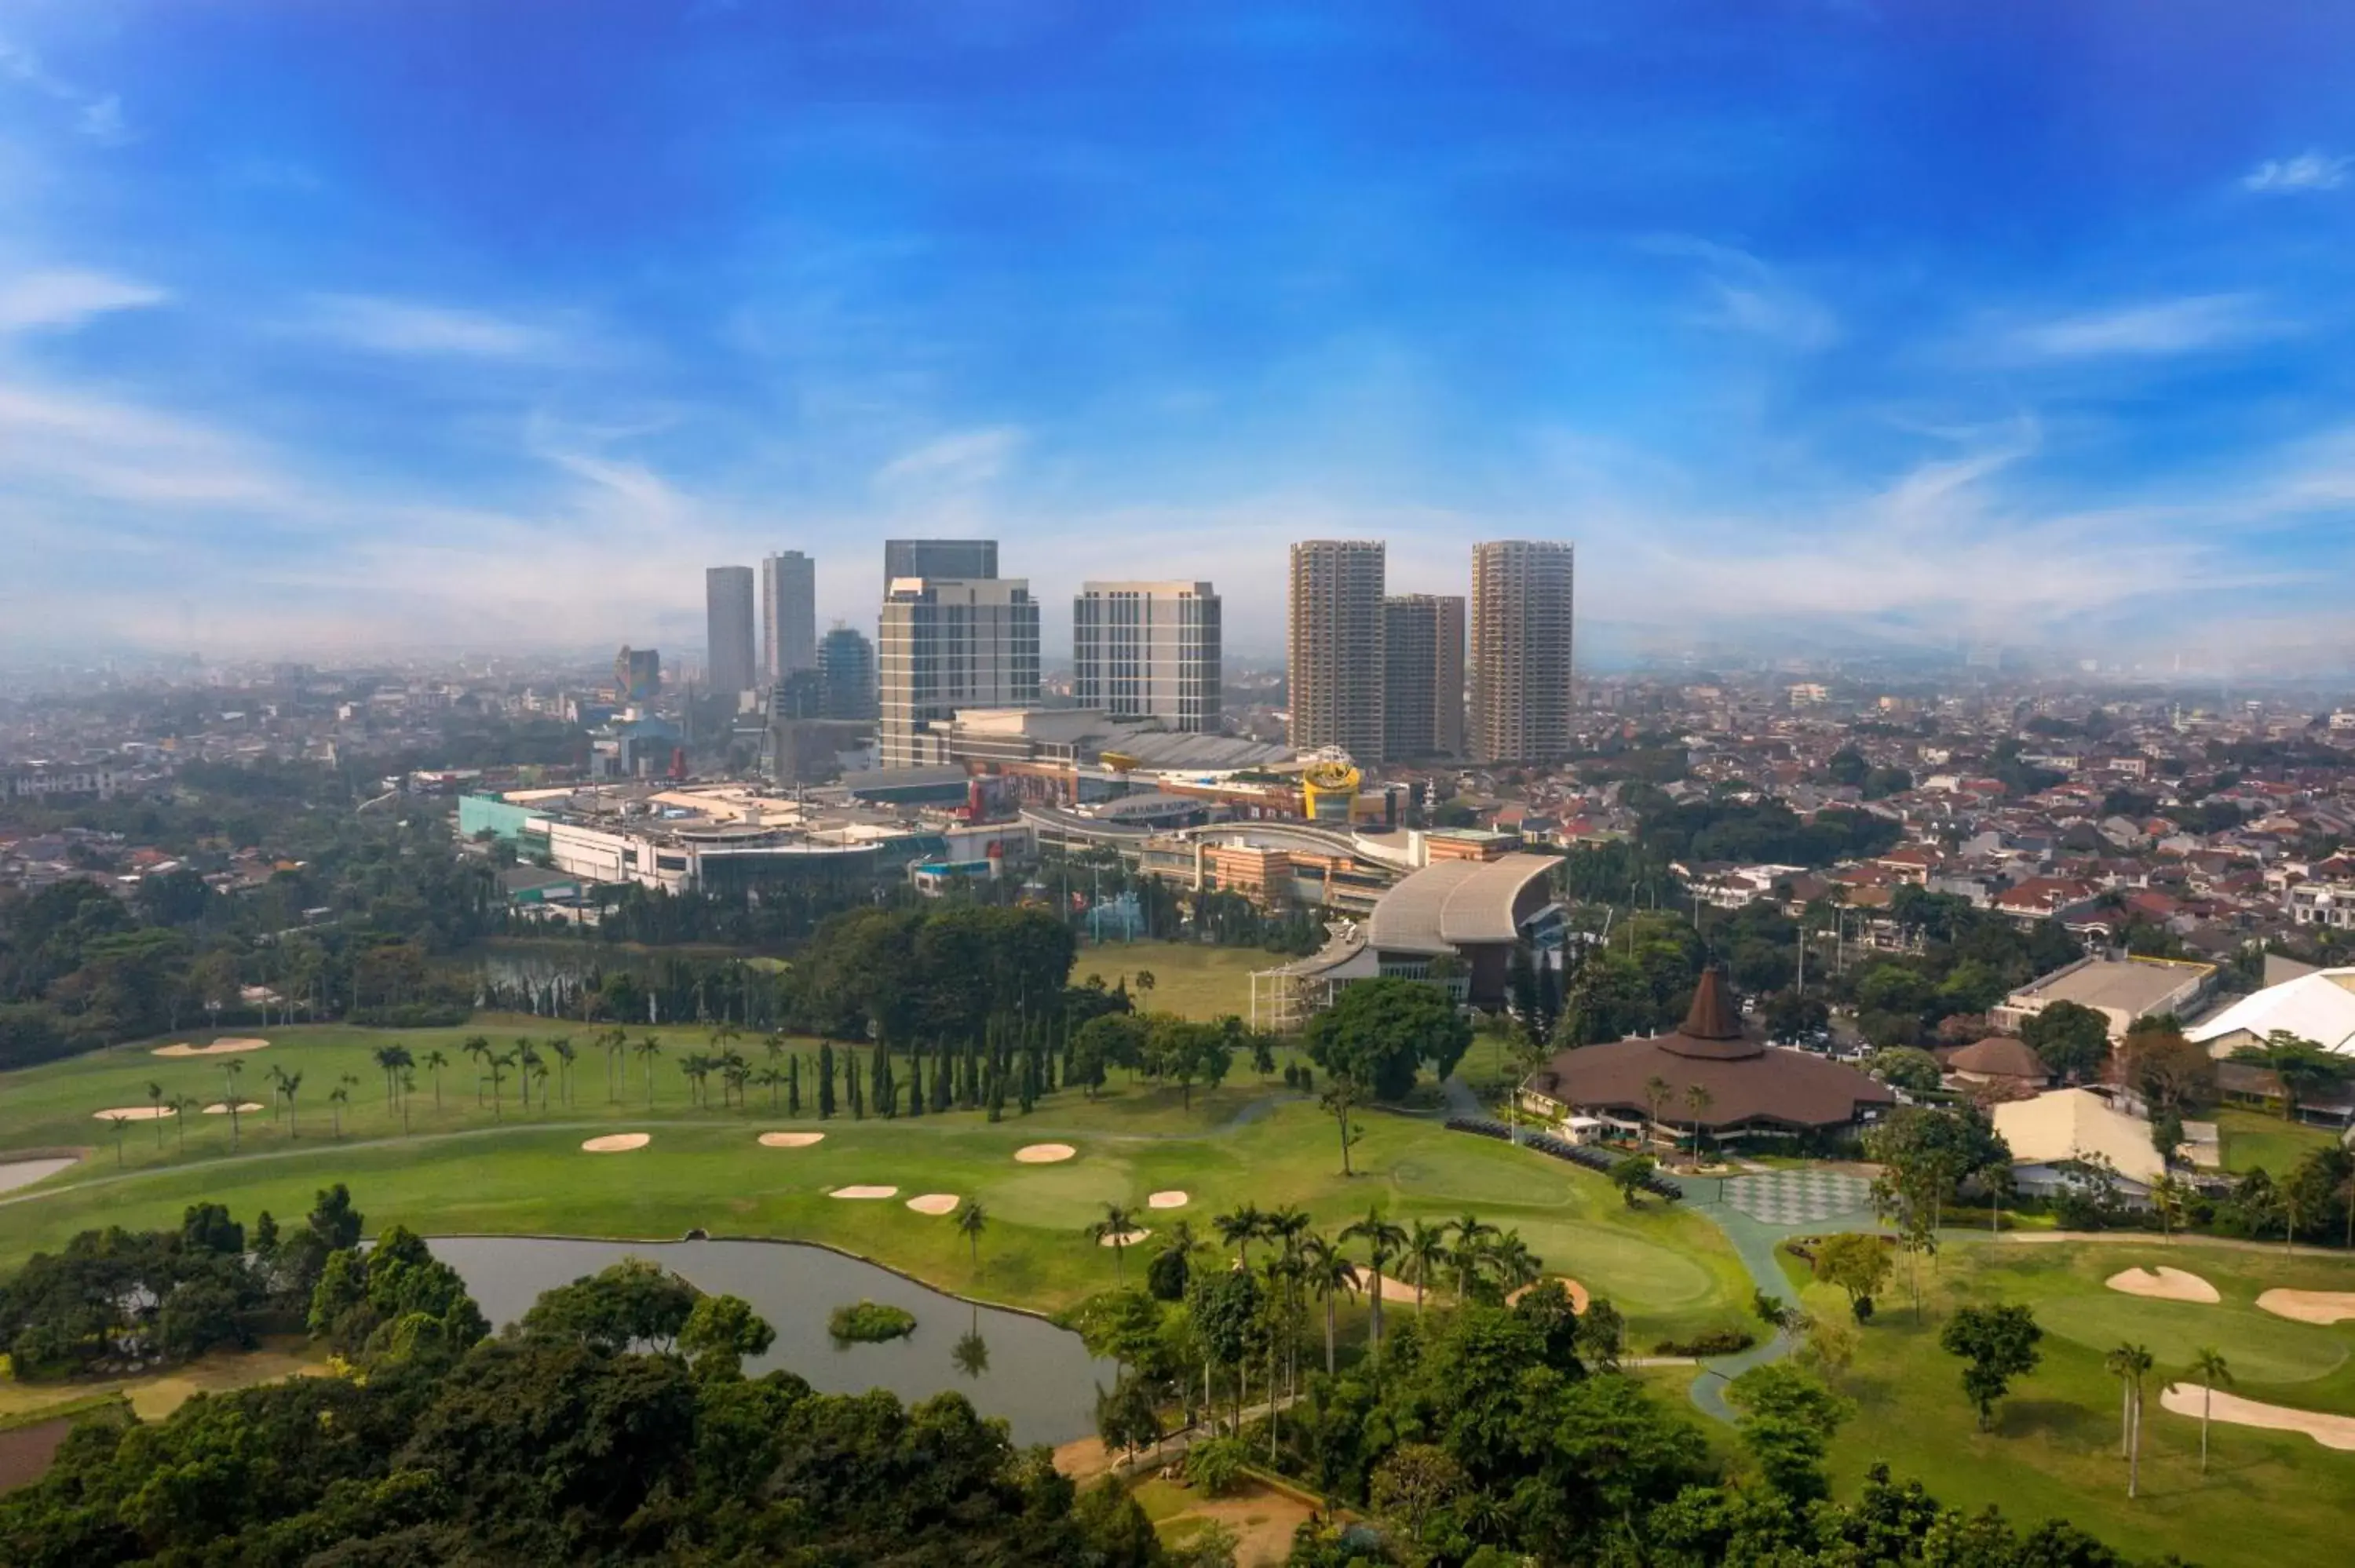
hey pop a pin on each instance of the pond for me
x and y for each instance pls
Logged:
(1038, 1378)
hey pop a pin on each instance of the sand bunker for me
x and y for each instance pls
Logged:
(864, 1193)
(791, 1139)
(1397, 1289)
(2310, 1306)
(1577, 1292)
(1044, 1153)
(218, 1048)
(2331, 1431)
(244, 1108)
(135, 1113)
(2164, 1283)
(617, 1143)
(1123, 1239)
(1166, 1201)
(935, 1203)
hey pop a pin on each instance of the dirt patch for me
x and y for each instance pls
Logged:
(1170, 1200)
(136, 1113)
(2165, 1284)
(791, 1139)
(15, 1173)
(1123, 1239)
(25, 1453)
(244, 1108)
(218, 1048)
(1044, 1153)
(2310, 1306)
(1262, 1519)
(2331, 1431)
(864, 1193)
(1577, 1292)
(935, 1203)
(617, 1143)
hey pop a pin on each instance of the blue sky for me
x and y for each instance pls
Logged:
(438, 324)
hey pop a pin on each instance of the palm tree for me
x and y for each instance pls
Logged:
(1426, 1252)
(1465, 1255)
(478, 1046)
(1698, 1101)
(971, 1220)
(288, 1084)
(120, 1122)
(387, 1062)
(435, 1061)
(1516, 1266)
(230, 1070)
(1114, 1230)
(648, 1049)
(498, 1065)
(1329, 1273)
(1383, 1240)
(155, 1101)
(562, 1048)
(772, 1080)
(1242, 1228)
(1657, 1090)
(183, 1108)
(336, 1097)
(527, 1059)
(2130, 1364)
(2207, 1365)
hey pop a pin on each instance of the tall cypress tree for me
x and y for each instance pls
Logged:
(943, 1070)
(857, 1097)
(916, 1080)
(793, 1085)
(825, 1080)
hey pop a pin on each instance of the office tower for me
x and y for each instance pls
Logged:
(845, 674)
(1147, 650)
(1334, 646)
(637, 674)
(788, 615)
(1521, 625)
(728, 636)
(1423, 686)
(951, 643)
(965, 560)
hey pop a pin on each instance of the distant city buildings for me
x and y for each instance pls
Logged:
(1334, 646)
(637, 674)
(1147, 650)
(951, 643)
(1522, 620)
(729, 639)
(846, 673)
(970, 560)
(1423, 683)
(788, 615)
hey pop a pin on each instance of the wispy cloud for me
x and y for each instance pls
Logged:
(97, 115)
(2312, 170)
(1746, 295)
(960, 460)
(67, 298)
(2185, 326)
(408, 327)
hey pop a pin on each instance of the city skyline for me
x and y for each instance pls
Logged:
(2025, 334)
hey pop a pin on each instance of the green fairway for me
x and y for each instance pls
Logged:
(464, 1168)
(1190, 978)
(2269, 1497)
(2256, 1141)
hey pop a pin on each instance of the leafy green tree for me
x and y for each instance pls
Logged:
(721, 1331)
(2073, 1039)
(1629, 1173)
(1907, 1068)
(1788, 1420)
(1856, 1264)
(1998, 1343)
(1378, 1032)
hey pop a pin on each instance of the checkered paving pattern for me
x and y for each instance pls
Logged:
(1798, 1197)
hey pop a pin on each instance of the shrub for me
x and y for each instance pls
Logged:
(1713, 1342)
(871, 1322)
(1215, 1464)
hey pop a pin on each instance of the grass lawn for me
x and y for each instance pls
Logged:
(156, 1397)
(2269, 1497)
(460, 1169)
(2253, 1140)
(1190, 978)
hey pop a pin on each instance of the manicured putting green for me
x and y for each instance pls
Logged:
(1637, 1275)
(2261, 1348)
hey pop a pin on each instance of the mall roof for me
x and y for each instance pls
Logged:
(2316, 1007)
(1455, 901)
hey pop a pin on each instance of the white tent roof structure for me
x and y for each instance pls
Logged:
(2318, 1007)
(2072, 1124)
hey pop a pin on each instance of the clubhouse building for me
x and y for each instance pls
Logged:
(1708, 1074)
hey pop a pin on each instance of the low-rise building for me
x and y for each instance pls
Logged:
(2121, 989)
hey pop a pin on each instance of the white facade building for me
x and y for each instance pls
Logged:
(1148, 650)
(951, 643)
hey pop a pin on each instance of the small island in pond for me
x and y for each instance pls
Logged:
(871, 1322)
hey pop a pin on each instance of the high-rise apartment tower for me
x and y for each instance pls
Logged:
(1147, 650)
(788, 615)
(951, 643)
(1422, 688)
(1521, 626)
(729, 639)
(968, 560)
(1334, 646)
(845, 674)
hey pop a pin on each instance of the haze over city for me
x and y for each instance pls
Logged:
(433, 326)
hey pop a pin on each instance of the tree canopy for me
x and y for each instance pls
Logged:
(1378, 1032)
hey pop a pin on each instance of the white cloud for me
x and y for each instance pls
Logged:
(960, 460)
(2312, 170)
(97, 115)
(66, 298)
(408, 327)
(2185, 326)
(1749, 297)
